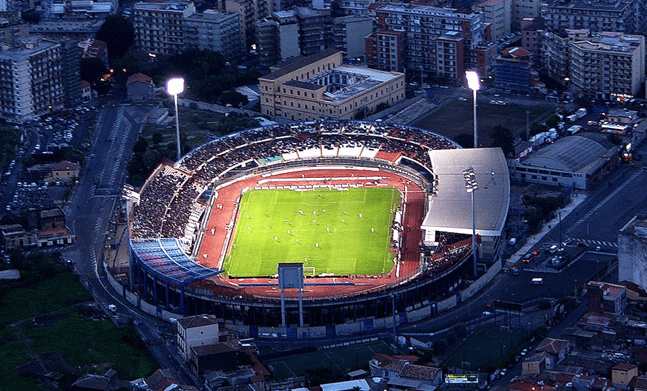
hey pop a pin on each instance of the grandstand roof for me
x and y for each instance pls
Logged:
(450, 208)
(165, 259)
(579, 153)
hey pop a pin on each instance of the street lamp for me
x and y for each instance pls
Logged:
(471, 186)
(175, 87)
(474, 85)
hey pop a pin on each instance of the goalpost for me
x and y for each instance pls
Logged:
(309, 271)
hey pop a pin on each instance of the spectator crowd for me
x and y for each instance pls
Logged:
(171, 194)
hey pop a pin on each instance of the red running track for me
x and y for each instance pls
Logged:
(225, 205)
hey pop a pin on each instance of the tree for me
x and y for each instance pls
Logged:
(552, 121)
(465, 140)
(92, 69)
(536, 128)
(118, 33)
(502, 137)
(233, 98)
(614, 139)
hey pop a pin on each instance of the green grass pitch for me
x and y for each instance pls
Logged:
(325, 228)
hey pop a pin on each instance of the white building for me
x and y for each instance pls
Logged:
(216, 31)
(31, 76)
(159, 27)
(498, 14)
(632, 252)
(196, 331)
(608, 65)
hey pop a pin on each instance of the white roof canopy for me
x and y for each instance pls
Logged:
(450, 208)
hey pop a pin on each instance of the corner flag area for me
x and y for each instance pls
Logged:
(338, 232)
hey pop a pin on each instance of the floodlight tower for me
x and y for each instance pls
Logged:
(471, 186)
(474, 85)
(175, 87)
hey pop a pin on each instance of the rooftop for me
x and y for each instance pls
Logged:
(299, 62)
(197, 321)
(578, 153)
(450, 208)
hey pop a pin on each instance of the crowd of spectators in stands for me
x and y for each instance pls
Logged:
(170, 194)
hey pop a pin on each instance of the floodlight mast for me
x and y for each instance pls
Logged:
(474, 85)
(471, 186)
(175, 87)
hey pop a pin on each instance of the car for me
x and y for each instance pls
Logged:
(581, 244)
(525, 260)
(553, 249)
(503, 371)
(597, 248)
(534, 252)
(567, 241)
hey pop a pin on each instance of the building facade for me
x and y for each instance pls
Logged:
(349, 33)
(498, 14)
(608, 65)
(196, 331)
(512, 70)
(320, 86)
(436, 42)
(524, 9)
(159, 27)
(577, 161)
(595, 15)
(277, 37)
(71, 72)
(216, 31)
(632, 252)
(556, 53)
(315, 30)
(31, 78)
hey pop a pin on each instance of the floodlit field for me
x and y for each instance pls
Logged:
(339, 232)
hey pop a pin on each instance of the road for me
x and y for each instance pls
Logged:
(89, 213)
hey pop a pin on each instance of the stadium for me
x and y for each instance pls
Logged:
(318, 228)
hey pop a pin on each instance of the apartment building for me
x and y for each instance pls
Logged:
(277, 37)
(31, 78)
(199, 330)
(354, 7)
(531, 35)
(608, 65)
(513, 71)
(524, 9)
(349, 33)
(498, 14)
(435, 41)
(250, 11)
(70, 72)
(595, 15)
(320, 86)
(215, 30)
(315, 30)
(159, 27)
(555, 56)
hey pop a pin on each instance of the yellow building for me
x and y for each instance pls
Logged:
(321, 86)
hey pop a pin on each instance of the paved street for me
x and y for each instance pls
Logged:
(89, 214)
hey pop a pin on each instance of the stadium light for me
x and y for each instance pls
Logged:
(474, 85)
(471, 186)
(175, 87)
